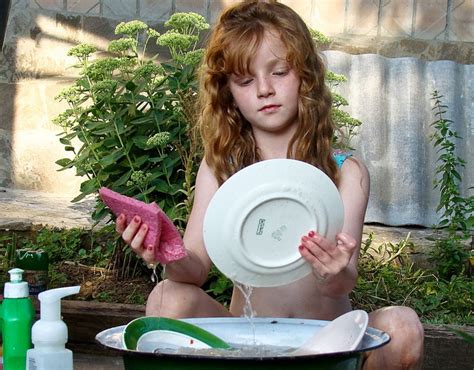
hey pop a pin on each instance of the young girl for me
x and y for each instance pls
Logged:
(263, 96)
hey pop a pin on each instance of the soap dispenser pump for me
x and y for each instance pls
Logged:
(49, 334)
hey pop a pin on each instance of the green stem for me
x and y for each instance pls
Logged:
(399, 252)
(89, 145)
(123, 146)
(145, 45)
(160, 152)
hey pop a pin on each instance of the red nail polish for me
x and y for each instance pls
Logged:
(301, 247)
(311, 234)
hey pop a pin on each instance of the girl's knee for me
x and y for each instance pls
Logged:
(401, 323)
(406, 335)
(409, 336)
(395, 318)
(407, 323)
(171, 299)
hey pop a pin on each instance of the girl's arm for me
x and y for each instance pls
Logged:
(195, 267)
(335, 262)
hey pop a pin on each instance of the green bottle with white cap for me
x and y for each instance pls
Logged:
(17, 315)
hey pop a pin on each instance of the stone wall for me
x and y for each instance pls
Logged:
(34, 65)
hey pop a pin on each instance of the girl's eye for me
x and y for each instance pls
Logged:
(280, 73)
(245, 81)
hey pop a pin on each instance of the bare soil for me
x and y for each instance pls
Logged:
(101, 284)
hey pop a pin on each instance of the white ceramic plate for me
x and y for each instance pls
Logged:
(255, 221)
(152, 340)
(343, 334)
(145, 334)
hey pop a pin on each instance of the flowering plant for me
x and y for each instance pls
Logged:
(130, 123)
(347, 126)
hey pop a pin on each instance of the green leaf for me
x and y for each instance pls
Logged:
(142, 120)
(122, 180)
(84, 82)
(112, 158)
(443, 222)
(142, 98)
(161, 186)
(140, 141)
(103, 131)
(79, 197)
(65, 162)
(131, 86)
(89, 186)
(140, 161)
(120, 126)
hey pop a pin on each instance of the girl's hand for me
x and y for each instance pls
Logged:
(327, 258)
(133, 234)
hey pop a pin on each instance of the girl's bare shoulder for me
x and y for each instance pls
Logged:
(206, 183)
(354, 172)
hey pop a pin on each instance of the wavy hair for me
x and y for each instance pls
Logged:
(229, 144)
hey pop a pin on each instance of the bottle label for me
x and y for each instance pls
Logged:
(31, 364)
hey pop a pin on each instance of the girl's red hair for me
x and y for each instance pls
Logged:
(228, 141)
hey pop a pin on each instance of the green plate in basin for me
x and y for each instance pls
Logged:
(146, 334)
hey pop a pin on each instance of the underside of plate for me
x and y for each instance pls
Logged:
(254, 223)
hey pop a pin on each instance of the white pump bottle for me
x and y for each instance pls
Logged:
(49, 334)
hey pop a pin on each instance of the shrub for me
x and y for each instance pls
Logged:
(457, 212)
(131, 120)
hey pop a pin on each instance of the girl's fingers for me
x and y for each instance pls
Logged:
(120, 223)
(134, 234)
(325, 256)
(132, 228)
(307, 255)
(326, 244)
(148, 254)
(319, 269)
(315, 248)
(137, 241)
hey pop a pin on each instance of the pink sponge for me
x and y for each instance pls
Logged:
(162, 234)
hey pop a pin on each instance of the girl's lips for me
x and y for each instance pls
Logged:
(269, 108)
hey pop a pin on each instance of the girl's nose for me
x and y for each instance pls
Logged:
(264, 87)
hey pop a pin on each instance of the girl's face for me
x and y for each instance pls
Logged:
(268, 95)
